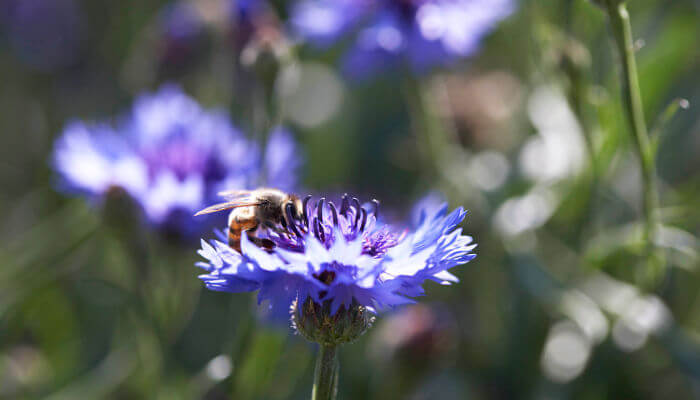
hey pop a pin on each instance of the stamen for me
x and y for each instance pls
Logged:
(289, 210)
(358, 207)
(364, 219)
(345, 205)
(334, 213)
(305, 215)
(319, 209)
(376, 208)
(318, 231)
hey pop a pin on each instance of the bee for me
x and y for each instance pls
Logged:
(264, 207)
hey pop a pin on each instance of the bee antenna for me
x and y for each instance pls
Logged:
(334, 213)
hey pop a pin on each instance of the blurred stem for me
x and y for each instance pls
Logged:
(436, 140)
(326, 374)
(568, 14)
(576, 95)
(663, 120)
(622, 34)
(424, 127)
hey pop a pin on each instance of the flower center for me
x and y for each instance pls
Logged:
(182, 159)
(325, 222)
(326, 277)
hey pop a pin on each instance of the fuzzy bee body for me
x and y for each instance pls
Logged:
(253, 209)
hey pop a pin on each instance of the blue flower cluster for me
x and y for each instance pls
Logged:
(423, 33)
(172, 156)
(342, 255)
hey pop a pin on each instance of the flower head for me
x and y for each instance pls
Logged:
(180, 32)
(341, 256)
(423, 33)
(171, 155)
(257, 34)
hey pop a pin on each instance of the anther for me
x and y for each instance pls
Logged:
(345, 205)
(364, 219)
(304, 213)
(334, 213)
(289, 210)
(358, 206)
(319, 209)
(318, 231)
(376, 208)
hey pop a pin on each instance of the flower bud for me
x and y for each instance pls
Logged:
(315, 322)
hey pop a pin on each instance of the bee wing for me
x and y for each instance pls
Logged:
(234, 194)
(226, 206)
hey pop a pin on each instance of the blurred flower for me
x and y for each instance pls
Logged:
(44, 34)
(181, 30)
(23, 367)
(342, 257)
(481, 104)
(424, 33)
(256, 30)
(172, 156)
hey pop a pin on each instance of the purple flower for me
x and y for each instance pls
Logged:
(385, 33)
(172, 156)
(253, 21)
(180, 21)
(181, 32)
(325, 21)
(342, 255)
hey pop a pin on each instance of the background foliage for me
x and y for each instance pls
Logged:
(557, 305)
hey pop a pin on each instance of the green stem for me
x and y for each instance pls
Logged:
(326, 374)
(574, 72)
(622, 33)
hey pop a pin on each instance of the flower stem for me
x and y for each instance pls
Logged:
(622, 33)
(326, 374)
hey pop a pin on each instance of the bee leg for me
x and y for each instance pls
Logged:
(274, 227)
(266, 244)
(234, 240)
(239, 222)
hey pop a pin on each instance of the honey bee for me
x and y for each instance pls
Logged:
(251, 209)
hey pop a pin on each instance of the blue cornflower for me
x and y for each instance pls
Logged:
(180, 32)
(341, 257)
(423, 33)
(180, 21)
(172, 156)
